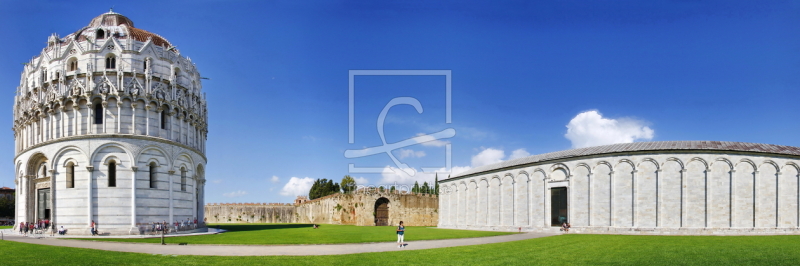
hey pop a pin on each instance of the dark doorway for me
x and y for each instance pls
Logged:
(382, 212)
(559, 206)
(43, 205)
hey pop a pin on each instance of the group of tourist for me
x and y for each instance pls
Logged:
(188, 224)
(40, 226)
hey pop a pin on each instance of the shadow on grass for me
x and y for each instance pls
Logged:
(259, 227)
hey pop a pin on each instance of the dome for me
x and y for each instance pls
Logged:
(121, 27)
(111, 19)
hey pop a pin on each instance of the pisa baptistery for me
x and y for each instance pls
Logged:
(110, 126)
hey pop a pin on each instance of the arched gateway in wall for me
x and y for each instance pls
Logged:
(671, 187)
(382, 212)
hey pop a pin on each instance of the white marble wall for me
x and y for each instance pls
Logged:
(115, 209)
(662, 193)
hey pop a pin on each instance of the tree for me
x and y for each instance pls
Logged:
(7, 206)
(415, 189)
(348, 184)
(323, 187)
(436, 183)
(425, 189)
(392, 189)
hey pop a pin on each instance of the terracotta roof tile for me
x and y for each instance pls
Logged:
(640, 146)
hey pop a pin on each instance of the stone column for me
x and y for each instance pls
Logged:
(589, 199)
(48, 125)
(63, 130)
(134, 229)
(658, 198)
(707, 197)
(202, 214)
(90, 170)
(76, 113)
(52, 194)
(172, 113)
(732, 198)
(147, 108)
(194, 196)
(180, 128)
(89, 118)
(755, 197)
(119, 116)
(171, 214)
(105, 112)
(633, 198)
(133, 118)
(683, 196)
(23, 215)
(611, 199)
(777, 198)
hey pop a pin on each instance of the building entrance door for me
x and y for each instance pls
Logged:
(382, 212)
(559, 206)
(43, 204)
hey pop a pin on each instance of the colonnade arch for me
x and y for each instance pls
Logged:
(655, 191)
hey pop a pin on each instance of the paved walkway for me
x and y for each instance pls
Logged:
(292, 250)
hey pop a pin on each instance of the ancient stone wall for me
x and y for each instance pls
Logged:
(353, 209)
(250, 213)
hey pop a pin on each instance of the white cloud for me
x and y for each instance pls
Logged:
(216, 181)
(235, 194)
(297, 186)
(361, 181)
(410, 153)
(275, 179)
(589, 129)
(518, 153)
(492, 156)
(392, 175)
(488, 156)
(427, 140)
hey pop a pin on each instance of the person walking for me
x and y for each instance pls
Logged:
(93, 228)
(401, 230)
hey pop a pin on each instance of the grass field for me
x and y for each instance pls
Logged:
(6, 226)
(282, 234)
(557, 250)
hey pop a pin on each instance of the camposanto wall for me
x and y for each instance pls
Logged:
(637, 192)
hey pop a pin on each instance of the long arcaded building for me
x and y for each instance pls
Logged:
(670, 187)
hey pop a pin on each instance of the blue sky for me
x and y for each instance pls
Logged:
(528, 77)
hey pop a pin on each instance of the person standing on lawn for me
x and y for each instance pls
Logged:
(400, 233)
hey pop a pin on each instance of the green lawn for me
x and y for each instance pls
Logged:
(557, 250)
(282, 234)
(6, 226)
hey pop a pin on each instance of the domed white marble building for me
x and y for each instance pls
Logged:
(110, 125)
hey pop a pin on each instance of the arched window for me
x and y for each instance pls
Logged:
(70, 175)
(111, 61)
(164, 119)
(183, 179)
(153, 175)
(145, 65)
(98, 113)
(100, 34)
(112, 173)
(73, 64)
